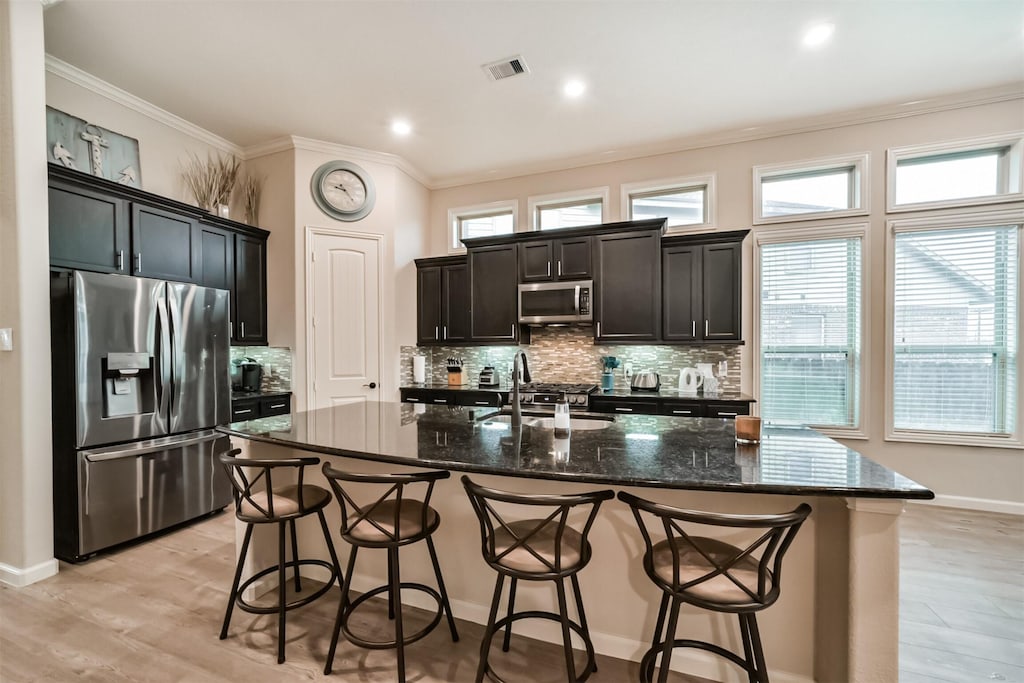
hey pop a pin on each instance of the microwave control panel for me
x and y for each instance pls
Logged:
(585, 300)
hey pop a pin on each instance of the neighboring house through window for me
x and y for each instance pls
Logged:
(482, 220)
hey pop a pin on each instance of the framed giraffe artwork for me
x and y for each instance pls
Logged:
(87, 147)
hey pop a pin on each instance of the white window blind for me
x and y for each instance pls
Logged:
(810, 322)
(955, 330)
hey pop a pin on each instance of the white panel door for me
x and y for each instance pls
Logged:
(344, 343)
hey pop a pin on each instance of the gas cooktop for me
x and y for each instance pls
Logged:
(546, 393)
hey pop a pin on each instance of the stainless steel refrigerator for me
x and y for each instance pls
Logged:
(140, 378)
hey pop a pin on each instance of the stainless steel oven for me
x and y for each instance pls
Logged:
(556, 302)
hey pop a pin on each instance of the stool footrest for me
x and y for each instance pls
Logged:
(647, 661)
(551, 616)
(298, 602)
(389, 644)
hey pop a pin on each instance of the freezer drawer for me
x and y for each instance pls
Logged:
(129, 491)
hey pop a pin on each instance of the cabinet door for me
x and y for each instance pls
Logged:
(727, 409)
(720, 276)
(572, 259)
(88, 230)
(165, 245)
(535, 261)
(681, 293)
(494, 293)
(428, 305)
(217, 263)
(628, 284)
(250, 289)
(455, 303)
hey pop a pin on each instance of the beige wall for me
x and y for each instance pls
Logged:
(26, 522)
(960, 475)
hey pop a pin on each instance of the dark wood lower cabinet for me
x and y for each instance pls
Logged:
(656, 405)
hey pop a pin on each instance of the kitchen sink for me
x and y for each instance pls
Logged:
(548, 421)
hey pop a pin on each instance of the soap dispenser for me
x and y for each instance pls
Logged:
(562, 417)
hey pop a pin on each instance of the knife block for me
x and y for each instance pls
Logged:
(455, 378)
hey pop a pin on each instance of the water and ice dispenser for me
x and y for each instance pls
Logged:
(129, 385)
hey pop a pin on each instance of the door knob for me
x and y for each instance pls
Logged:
(372, 385)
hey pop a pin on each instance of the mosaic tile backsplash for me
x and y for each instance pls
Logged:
(276, 362)
(568, 354)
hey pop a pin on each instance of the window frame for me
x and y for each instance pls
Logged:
(457, 214)
(859, 231)
(562, 199)
(1013, 175)
(932, 224)
(860, 193)
(666, 186)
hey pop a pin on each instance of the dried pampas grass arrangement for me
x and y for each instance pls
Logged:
(211, 181)
(251, 189)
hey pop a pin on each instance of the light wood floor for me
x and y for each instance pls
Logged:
(152, 612)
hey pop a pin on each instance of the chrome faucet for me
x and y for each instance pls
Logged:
(517, 414)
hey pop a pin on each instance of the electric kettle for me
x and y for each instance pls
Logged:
(690, 379)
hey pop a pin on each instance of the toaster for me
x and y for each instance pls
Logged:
(645, 381)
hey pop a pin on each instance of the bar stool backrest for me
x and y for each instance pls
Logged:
(253, 481)
(390, 493)
(557, 508)
(766, 549)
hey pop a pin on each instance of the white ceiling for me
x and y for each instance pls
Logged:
(658, 72)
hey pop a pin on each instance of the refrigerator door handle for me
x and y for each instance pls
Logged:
(163, 353)
(145, 447)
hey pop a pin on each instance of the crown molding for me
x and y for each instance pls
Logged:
(851, 117)
(115, 94)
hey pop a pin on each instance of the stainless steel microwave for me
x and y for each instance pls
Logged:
(556, 302)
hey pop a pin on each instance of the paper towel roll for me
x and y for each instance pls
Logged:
(419, 369)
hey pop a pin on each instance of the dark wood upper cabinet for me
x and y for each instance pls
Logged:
(702, 283)
(89, 230)
(627, 281)
(721, 274)
(555, 259)
(217, 264)
(494, 293)
(250, 290)
(442, 300)
(681, 292)
(165, 245)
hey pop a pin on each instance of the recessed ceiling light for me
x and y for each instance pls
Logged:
(400, 127)
(818, 35)
(574, 88)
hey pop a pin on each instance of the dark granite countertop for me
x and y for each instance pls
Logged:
(468, 386)
(634, 450)
(236, 395)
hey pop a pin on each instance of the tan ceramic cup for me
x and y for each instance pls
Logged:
(748, 429)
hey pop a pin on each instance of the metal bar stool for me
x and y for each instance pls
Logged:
(713, 575)
(388, 519)
(537, 549)
(280, 505)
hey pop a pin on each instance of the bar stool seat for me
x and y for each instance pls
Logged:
(389, 520)
(712, 574)
(536, 549)
(281, 505)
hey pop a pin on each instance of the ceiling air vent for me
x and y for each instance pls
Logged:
(506, 68)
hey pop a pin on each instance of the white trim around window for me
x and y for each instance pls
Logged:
(857, 231)
(705, 182)
(858, 190)
(587, 196)
(986, 219)
(1010, 170)
(455, 215)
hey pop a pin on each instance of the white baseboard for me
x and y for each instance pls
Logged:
(692, 662)
(19, 578)
(1006, 507)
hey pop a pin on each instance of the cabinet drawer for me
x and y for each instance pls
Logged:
(428, 396)
(275, 405)
(727, 409)
(627, 407)
(245, 409)
(683, 408)
(463, 398)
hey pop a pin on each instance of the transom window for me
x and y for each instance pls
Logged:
(497, 218)
(812, 189)
(685, 202)
(980, 171)
(954, 330)
(810, 326)
(568, 209)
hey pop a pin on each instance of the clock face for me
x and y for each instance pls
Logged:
(343, 190)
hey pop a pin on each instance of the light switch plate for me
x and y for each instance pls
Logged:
(6, 339)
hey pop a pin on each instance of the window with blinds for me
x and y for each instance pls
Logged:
(810, 320)
(955, 330)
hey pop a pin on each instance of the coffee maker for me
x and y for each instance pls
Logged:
(246, 374)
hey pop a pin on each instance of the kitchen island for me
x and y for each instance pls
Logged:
(837, 618)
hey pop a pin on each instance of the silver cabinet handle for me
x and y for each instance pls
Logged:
(482, 403)
(726, 412)
(243, 412)
(598, 329)
(513, 330)
(693, 329)
(243, 328)
(278, 405)
(437, 335)
(412, 400)
(705, 329)
(623, 410)
(549, 268)
(682, 412)
(559, 269)
(440, 400)
(445, 331)
(120, 259)
(138, 262)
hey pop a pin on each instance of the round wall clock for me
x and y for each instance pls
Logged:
(343, 190)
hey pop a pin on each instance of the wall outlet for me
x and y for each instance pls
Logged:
(627, 370)
(6, 339)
